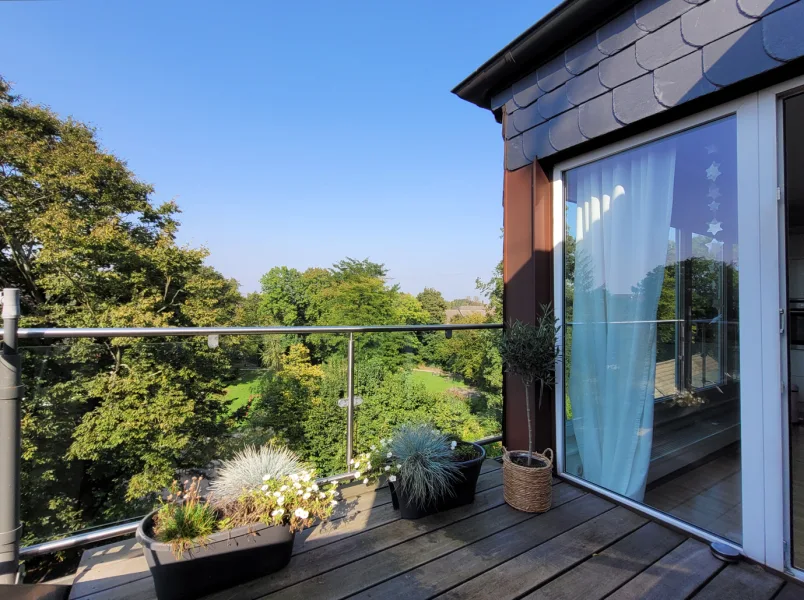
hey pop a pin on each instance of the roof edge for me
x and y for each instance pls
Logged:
(559, 29)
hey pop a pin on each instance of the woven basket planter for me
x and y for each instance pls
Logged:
(529, 489)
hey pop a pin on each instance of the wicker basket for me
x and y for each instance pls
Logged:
(529, 489)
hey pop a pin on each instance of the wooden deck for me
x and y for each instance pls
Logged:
(585, 547)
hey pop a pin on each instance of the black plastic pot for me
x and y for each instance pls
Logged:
(228, 559)
(462, 492)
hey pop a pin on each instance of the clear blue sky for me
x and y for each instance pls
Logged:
(290, 133)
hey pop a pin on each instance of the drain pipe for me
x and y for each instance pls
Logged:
(10, 425)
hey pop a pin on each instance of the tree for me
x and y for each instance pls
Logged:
(105, 423)
(433, 302)
(349, 268)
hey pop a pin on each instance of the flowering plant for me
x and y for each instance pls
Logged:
(295, 500)
(292, 498)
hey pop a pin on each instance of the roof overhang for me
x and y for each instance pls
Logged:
(567, 23)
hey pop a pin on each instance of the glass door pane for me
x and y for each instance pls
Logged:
(652, 383)
(794, 196)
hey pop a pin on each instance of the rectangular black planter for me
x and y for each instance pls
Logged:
(228, 559)
(463, 491)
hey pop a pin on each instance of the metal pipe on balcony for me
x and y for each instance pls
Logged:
(117, 332)
(350, 396)
(10, 426)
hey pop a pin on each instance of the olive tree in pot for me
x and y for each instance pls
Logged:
(244, 528)
(530, 351)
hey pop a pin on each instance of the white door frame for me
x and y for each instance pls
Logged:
(754, 436)
(776, 489)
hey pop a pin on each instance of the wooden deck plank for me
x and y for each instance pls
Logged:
(332, 556)
(595, 578)
(528, 570)
(358, 521)
(790, 591)
(674, 577)
(364, 508)
(380, 566)
(439, 575)
(741, 581)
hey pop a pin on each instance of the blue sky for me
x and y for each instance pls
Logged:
(293, 133)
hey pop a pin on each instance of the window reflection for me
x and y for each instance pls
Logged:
(651, 335)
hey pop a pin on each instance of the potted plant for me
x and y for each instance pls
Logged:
(427, 471)
(244, 528)
(530, 352)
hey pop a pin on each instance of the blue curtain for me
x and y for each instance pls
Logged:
(624, 205)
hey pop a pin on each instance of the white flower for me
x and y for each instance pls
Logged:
(365, 481)
(357, 474)
(278, 512)
(357, 465)
(301, 513)
(321, 495)
(309, 489)
(373, 447)
(280, 501)
(398, 465)
(265, 487)
(351, 462)
(389, 455)
(306, 496)
(266, 477)
(392, 478)
(315, 487)
(297, 485)
(299, 493)
(284, 488)
(334, 502)
(333, 491)
(306, 477)
(294, 476)
(368, 467)
(453, 444)
(277, 494)
(387, 467)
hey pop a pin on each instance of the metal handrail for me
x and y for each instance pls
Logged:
(11, 393)
(98, 535)
(118, 332)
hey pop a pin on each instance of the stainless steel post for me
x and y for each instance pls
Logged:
(350, 408)
(10, 397)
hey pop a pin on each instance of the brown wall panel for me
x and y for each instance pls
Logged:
(528, 280)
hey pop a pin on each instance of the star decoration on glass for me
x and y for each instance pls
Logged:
(713, 172)
(711, 149)
(715, 227)
(714, 192)
(713, 206)
(714, 246)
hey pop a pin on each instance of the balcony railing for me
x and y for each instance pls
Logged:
(11, 391)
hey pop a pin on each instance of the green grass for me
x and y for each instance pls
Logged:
(437, 383)
(237, 394)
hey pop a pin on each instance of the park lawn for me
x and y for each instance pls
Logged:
(237, 394)
(437, 383)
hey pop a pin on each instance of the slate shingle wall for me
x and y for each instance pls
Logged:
(656, 55)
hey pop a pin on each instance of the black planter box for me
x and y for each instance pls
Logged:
(463, 491)
(228, 559)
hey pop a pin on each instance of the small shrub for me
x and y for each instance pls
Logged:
(246, 470)
(185, 519)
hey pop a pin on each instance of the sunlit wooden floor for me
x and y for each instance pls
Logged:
(584, 547)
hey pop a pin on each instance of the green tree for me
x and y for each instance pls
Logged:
(105, 423)
(433, 302)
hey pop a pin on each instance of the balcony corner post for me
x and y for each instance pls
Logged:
(10, 436)
(350, 407)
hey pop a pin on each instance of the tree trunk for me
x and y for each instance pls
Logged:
(530, 424)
